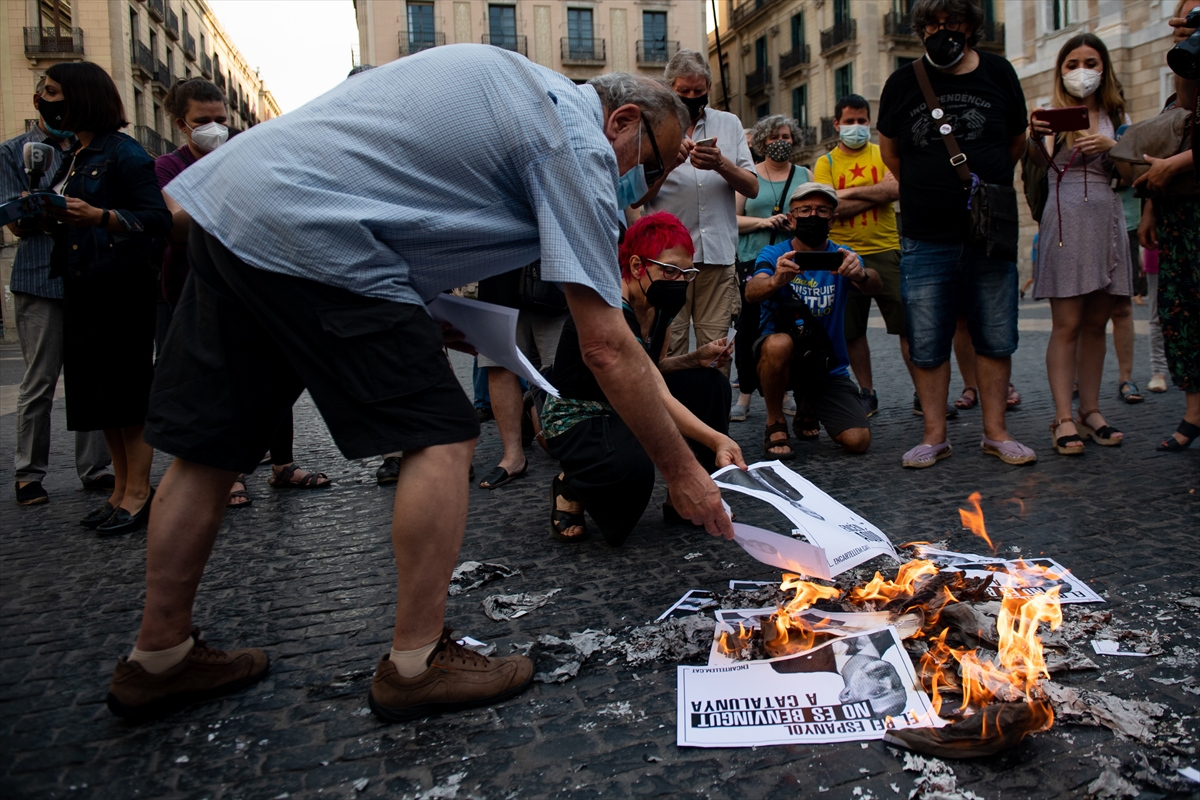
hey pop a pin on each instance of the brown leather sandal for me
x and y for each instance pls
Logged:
(768, 442)
(285, 479)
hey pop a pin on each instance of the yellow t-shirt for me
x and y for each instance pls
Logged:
(874, 230)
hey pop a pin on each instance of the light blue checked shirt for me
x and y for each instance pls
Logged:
(31, 268)
(430, 172)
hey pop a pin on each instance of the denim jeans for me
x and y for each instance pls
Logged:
(942, 281)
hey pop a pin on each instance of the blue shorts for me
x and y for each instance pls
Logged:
(942, 281)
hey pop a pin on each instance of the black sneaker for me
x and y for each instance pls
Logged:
(31, 494)
(389, 472)
(951, 411)
(870, 402)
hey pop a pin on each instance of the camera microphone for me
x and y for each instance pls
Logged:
(38, 157)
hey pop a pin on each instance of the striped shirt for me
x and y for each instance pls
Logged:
(430, 172)
(31, 269)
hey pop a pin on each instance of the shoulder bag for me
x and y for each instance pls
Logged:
(1168, 134)
(995, 225)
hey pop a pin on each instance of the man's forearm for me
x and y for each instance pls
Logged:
(852, 208)
(629, 379)
(743, 181)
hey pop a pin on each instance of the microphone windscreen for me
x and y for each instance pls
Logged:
(38, 156)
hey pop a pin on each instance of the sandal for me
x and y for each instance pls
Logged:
(926, 455)
(564, 520)
(806, 426)
(242, 493)
(1063, 444)
(966, 400)
(1014, 397)
(285, 479)
(768, 442)
(1105, 435)
(1128, 391)
(1173, 445)
(500, 476)
(1010, 451)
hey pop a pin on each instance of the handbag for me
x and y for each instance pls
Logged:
(994, 224)
(1168, 134)
(537, 296)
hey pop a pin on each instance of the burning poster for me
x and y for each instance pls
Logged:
(1028, 578)
(854, 688)
(837, 538)
(733, 623)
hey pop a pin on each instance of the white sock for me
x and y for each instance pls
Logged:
(156, 661)
(411, 663)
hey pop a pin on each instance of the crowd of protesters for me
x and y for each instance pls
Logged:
(186, 320)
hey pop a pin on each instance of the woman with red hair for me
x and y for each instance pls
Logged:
(605, 471)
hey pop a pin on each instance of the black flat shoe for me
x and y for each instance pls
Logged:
(122, 521)
(105, 482)
(500, 476)
(98, 516)
(1173, 445)
(31, 494)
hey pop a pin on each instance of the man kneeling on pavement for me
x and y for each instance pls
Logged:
(802, 345)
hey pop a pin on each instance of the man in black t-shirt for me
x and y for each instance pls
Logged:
(944, 277)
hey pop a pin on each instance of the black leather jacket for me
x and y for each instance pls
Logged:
(114, 173)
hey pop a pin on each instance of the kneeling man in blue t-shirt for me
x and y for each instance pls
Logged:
(802, 345)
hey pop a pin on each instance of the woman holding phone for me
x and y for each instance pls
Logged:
(1083, 262)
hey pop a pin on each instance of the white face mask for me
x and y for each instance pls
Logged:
(209, 136)
(1081, 82)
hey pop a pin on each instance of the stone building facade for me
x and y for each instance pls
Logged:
(579, 39)
(145, 45)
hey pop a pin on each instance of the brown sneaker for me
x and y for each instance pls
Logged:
(205, 673)
(457, 678)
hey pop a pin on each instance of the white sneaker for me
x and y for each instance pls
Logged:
(789, 405)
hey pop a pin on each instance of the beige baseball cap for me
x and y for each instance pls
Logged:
(812, 187)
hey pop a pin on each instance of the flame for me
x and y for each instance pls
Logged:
(1020, 662)
(786, 632)
(735, 644)
(907, 578)
(807, 593)
(973, 520)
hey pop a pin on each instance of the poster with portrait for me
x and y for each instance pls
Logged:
(836, 538)
(851, 689)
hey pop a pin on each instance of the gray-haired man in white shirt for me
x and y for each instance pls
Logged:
(702, 192)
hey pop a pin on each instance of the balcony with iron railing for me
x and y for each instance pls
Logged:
(745, 10)
(219, 80)
(149, 139)
(162, 79)
(51, 42)
(518, 44)
(582, 51)
(171, 24)
(898, 26)
(205, 65)
(157, 9)
(758, 80)
(142, 61)
(189, 46)
(797, 57)
(415, 41)
(828, 132)
(655, 51)
(840, 35)
(808, 136)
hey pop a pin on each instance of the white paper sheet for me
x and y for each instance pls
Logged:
(491, 330)
(851, 689)
(1107, 647)
(1070, 588)
(837, 538)
(782, 551)
(693, 602)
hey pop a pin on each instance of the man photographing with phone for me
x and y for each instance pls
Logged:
(803, 284)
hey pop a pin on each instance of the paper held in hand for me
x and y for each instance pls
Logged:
(491, 330)
(828, 538)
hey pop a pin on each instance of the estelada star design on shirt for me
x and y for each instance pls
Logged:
(857, 171)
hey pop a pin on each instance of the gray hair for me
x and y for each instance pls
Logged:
(685, 63)
(656, 101)
(768, 125)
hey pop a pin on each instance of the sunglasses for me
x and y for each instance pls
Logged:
(660, 169)
(674, 273)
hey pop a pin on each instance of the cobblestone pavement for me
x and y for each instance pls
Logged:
(308, 577)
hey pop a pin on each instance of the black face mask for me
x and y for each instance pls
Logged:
(813, 231)
(945, 48)
(668, 297)
(52, 111)
(695, 105)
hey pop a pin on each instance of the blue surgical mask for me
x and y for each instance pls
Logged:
(632, 186)
(855, 136)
